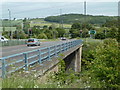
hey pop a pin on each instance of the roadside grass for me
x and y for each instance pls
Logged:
(83, 80)
(0, 83)
(86, 80)
(90, 40)
(45, 40)
(18, 81)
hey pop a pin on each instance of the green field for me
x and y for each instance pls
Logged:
(7, 29)
(41, 22)
(33, 22)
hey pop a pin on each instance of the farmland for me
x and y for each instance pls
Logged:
(33, 22)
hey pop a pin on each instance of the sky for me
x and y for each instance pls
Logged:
(23, 8)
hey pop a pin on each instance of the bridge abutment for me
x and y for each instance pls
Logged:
(73, 61)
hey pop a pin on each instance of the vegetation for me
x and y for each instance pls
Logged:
(105, 64)
(81, 30)
(76, 27)
(73, 18)
(100, 69)
(26, 25)
(51, 27)
(100, 58)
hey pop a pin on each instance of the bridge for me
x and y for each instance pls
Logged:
(44, 59)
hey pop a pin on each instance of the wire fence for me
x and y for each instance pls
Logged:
(12, 43)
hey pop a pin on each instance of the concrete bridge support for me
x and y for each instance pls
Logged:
(73, 61)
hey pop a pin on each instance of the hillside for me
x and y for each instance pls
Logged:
(66, 19)
(72, 18)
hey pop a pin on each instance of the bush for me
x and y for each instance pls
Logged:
(105, 64)
(100, 36)
(87, 54)
(42, 36)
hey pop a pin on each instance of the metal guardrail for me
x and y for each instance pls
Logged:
(12, 43)
(16, 62)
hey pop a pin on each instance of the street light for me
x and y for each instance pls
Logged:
(85, 16)
(10, 23)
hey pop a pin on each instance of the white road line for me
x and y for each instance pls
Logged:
(34, 47)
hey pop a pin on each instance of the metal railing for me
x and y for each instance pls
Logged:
(16, 62)
(12, 43)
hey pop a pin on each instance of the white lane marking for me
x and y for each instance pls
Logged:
(34, 47)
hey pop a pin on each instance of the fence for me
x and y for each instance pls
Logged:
(12, 43)
(24, 60)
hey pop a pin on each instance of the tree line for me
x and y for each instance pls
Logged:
(73, 18)
(109, 29)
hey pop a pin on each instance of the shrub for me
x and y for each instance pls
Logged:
(105, 64)
(42, 36)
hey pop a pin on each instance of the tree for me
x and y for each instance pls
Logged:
(55, 33)
(100, 36)
(113, 32)
(76, 26)
(19, 34)
(74, 33)
(36, 30)
(42, 36)
(26, 25)
(60, 31)
(45, 27)
(3, 29)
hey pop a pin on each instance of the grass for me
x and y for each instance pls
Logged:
(8, 29)
(90, 40)
(41, 22)
(83, 80)
(37, 22)
(45, 40)
(18, 81)
(49, 24)
(0, 83)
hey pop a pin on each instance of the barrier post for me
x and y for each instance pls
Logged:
(55, 50)
(39, 51)
(48, 53)
(26, 62)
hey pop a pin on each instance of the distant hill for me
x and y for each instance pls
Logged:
(72, 18)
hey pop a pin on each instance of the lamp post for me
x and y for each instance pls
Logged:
(10, 23)
(85, 16)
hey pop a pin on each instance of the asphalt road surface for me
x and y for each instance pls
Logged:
(10, 50)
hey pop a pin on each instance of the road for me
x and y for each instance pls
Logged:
(10, 50)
